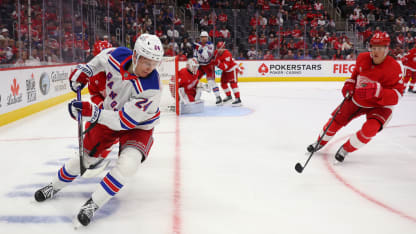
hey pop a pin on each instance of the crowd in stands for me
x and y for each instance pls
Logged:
(261, 29)
(397, 18)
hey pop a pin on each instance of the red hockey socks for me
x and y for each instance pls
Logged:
(236, 90)
(333, 129)
(363, 136)
(227, 91)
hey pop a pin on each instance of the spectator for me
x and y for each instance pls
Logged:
(346, 46)
(252, 53)
(317, 44)
(351, 56)
(241, 56)
(22, 61)
(174, 45)
(263, 41)
(225, 33)
(5, 34)
(33, 60)
(252, 39)
(338, 55)
(181, 56)
(289, 55)
(307, 56)
(222, 18)
(169, 51)
(298, 55)
(268, 55)
(173, 33)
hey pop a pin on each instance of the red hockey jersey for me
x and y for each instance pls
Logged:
(388, 74)
(409, 60)
(187, 80)
(225, 61)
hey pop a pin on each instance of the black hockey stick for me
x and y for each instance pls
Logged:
(80, 136)
(298, 167)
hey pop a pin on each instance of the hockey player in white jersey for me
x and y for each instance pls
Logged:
(204, 52)
(130, 112)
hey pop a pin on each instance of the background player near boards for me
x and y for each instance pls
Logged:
(224, 60)
(204, 52)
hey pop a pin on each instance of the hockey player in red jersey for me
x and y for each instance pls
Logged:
(204, 53)
(188, 82)
(373, 89)
(409, 64)
(224, 61)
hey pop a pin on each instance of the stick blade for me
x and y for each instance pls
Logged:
(298, 168)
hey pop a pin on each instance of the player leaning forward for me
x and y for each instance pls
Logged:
(374, 88)
(130, 112)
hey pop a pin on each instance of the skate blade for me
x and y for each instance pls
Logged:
(336, 162)
(76, 224)
(237, 105)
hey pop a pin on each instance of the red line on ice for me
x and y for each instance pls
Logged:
(359, 192)
(177, 220)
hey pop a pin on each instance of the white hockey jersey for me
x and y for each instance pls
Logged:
(204, 53)
(131, 101)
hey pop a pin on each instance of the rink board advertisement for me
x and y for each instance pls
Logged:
(24, 91)
(280, 70)
(292, 70)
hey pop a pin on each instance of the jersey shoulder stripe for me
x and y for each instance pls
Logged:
(152, 81)
(119, 57)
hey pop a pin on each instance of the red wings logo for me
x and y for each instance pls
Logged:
(15, 87)
(263, 69)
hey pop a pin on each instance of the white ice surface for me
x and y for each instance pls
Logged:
(236, 171)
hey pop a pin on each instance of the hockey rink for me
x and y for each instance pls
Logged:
(229, 170)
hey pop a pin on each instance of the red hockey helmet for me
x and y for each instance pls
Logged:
(220, 45)
(380, 38)
(100, 45)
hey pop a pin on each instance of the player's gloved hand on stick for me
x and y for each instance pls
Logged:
(348, 89)
(89, 111)
(369, 90)
(79, 77)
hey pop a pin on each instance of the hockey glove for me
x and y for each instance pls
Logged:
(348, 88)
(369, 90)
(88, 110)
(79, 77)
(240, 70)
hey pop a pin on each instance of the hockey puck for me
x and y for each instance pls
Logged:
(298, 168)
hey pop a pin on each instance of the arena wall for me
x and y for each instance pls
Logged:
(24, 91)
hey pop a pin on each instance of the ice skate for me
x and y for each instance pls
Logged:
(237, 102)
(311, 147)
(340, 155)
(411, 90)
(47, 192)
(219, 101)
(227, 99)
(85, 214)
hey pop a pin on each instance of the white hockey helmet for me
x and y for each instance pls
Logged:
(192, 65)
(148, 46)
(204, 34)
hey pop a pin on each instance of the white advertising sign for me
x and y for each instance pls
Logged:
(26, 86)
